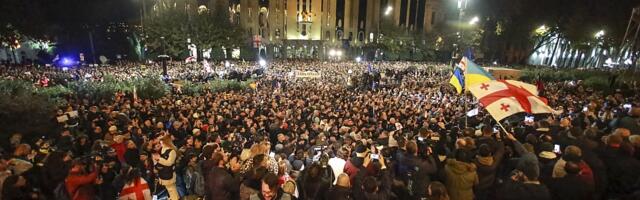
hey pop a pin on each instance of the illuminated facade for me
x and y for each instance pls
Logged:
(308, 28)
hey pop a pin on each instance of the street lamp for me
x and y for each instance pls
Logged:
(332, 52)
(387, 12)
(474, 20)
(542, 30)
(599, 34)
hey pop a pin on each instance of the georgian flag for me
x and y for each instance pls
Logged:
(138, 190)
(503, 98)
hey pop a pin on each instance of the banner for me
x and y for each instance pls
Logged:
(307, 74)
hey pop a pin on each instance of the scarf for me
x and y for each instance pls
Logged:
(547, 155)
(488, 161)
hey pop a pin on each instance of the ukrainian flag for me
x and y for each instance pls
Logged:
(474, 74)
(457, 80)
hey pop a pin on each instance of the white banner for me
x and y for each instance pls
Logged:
(307, 74)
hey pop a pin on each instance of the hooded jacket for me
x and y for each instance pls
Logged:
(461, 177)
(487, 167)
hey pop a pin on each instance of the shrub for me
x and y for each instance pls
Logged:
(23, 109)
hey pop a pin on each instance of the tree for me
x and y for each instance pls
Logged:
(206, 28)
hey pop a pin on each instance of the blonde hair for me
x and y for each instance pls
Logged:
(168, 142)
(257, 149)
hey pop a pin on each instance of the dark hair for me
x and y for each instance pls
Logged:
(216, 158)
(484, 150)
(9, 185)
(412, 147)
(313, 172)
(462, 156)
(271, 180)
(258, 159)
(438, 191)
(370, 184)
(572, 167)
(259, 173)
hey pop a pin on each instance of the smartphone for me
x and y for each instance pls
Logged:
(585, 109)
(495, 130)
(529, 119)
(627, 106)
(272, 155)
(556, 149)
(374, 156)
(420, 139)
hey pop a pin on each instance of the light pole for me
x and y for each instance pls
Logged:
(462, 5)
(164, 59)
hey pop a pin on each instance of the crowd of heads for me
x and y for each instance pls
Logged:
(380, 130)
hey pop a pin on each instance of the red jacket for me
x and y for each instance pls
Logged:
(120, 150)
(80, 187)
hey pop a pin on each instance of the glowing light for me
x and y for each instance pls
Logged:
(67, 61)
(387, 12)
(226, 63)
(474, 20)
(332, 52)
(599, 34)
(65, 69)
(358, 59)
(542, 30)
(339, 53)
(262, 63)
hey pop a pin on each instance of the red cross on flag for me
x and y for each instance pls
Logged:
(137, 190)
(503, 98)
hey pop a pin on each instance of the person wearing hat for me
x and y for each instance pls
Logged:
(547, 159)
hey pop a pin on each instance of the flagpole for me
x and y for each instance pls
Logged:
(464, 94)
(504, 129)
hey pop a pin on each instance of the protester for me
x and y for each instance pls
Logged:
(320, 130)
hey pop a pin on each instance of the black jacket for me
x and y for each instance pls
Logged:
(339, 193)
(571, 187)
(421, 170)
(487, 172)
(521, 191)
(221, 185)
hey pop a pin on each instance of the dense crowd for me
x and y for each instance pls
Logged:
(364, 131)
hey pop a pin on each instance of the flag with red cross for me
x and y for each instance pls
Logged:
(503, 98)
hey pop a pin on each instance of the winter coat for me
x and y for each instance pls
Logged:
(81, 187)
(246, 191)
(353, 166)
(460, 179)
(339, 193)
(622, 171)
(571, 187)
(487, 167)
(221, 185)
(422, 169)
(523, 191)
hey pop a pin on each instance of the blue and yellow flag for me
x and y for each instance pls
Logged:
(457, 80)
(474, 74)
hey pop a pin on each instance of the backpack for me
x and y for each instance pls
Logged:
(60, 192)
